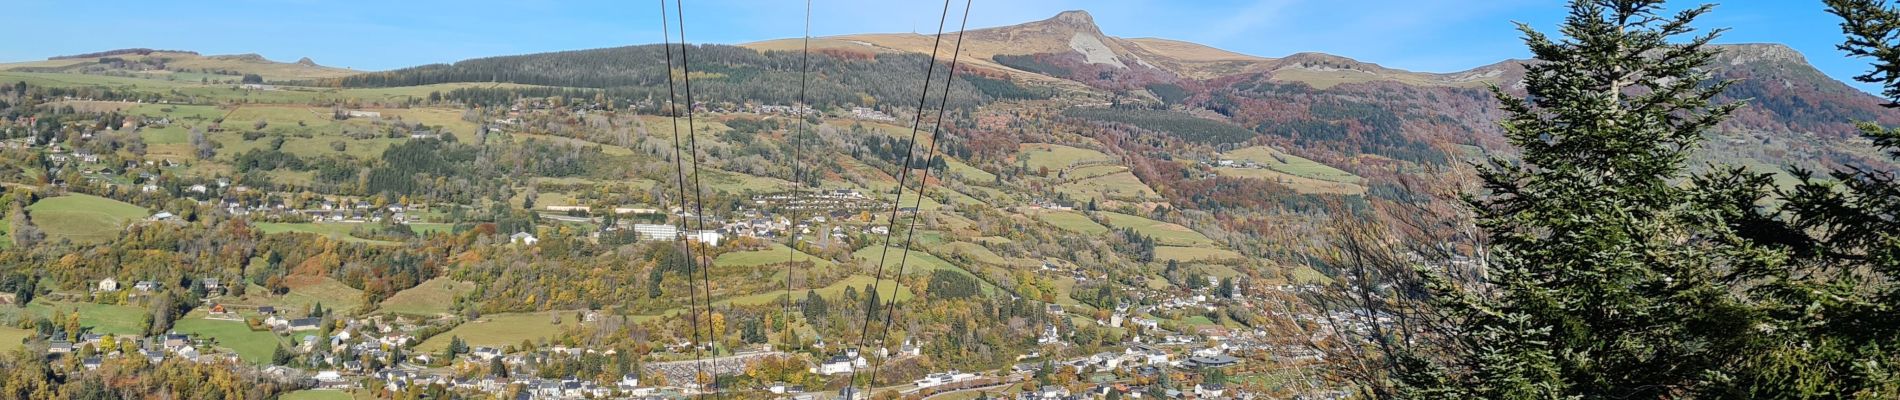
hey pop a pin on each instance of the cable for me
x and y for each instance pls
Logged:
(679, 169)
(798, 176)
(903, 174)
(936, 137)
(699, 200)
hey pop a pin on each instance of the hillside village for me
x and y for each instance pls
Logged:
(1098, 218)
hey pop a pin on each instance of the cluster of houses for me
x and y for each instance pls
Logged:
(870, 114)
(846, 200)
(154, 349)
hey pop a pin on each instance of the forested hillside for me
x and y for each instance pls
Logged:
(720, 74)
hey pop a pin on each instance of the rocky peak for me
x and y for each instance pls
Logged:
(1077, 18)
(1751, 53)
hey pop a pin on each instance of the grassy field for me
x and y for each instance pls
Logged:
(1305, 274)
(280, 116)
(253, 347)
(501, 330)
(833, 291)
(1177, 253)
(1056, 157)
(12, 338)
(1072, 221)
(976, 252)
(450, 119)
(83, 218)
(1065, 292)
(775, 254)
(1080, 173)
(76, 80)
(113, 319)
(1119, 186)
(1197, 320)
(919, 262)
(1217, 270)
(429, 298)
(1292, 164)
(1166, 233)
(1297, 183)
(304, 292)
(179, 88)
(339, 231)
(970, 174)
(732, 182)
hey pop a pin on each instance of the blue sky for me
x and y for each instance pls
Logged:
(1420, 35)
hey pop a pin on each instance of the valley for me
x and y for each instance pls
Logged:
(1102, 214)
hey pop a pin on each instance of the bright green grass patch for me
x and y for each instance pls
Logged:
(174, 134)
(733, 182)
(12, 338)
(1072, 221)
(253, 347)
(1292, 164)
(339, 231)
(499, 330)
(1305, 274)
(278, 117)
(304, 292)
(1177, 253)
(1216, 270)
(775, 254)
(424, 228)
(319, 145)
(994, 240)
(180, 114)
(1065, 291)
(77, 80)
(919, 262)
(83, 218)
(832, 291)
(1056, 157)
(1297, 183)
(1121, 186)
(1197, 320)
(101, 318)
(432, 297)
(976, 252)
(1167, 233)
(970, 174)
(1093, 171)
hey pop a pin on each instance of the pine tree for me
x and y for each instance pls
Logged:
(1601, 283)
(1829, 284)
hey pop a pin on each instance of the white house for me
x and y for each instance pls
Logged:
(835, 365)
(1148, 355)
(1049, 335)
(109, 285)
(654, 232)
(943, 378)
(523, 238)
(842, 363)
(1209, 390)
